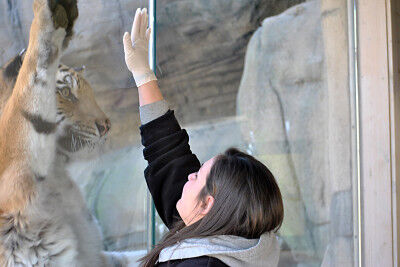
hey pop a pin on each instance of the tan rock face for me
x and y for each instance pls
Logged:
(298, 122)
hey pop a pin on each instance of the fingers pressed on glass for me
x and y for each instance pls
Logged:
(136, 25)
(143, 26)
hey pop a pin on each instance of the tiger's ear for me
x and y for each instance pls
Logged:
(22, 55)
(80, 70)
(9, 71)
(12, 67)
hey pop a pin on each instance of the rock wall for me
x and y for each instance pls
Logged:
(200, 52)
(294, 100)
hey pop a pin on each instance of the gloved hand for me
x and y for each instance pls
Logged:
(136, 48)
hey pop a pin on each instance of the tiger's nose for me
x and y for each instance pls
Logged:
(103, 126)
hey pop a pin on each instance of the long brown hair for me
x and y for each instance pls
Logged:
(247, 203)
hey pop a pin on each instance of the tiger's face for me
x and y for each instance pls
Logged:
(82, 125)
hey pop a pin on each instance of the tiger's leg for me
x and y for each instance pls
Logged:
(28, 120)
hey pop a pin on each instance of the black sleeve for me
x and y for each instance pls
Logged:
(203, 261)
(170, 161)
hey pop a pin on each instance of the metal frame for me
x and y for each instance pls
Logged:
(151, 212)
(355, 129)
(379, 131)
(393, 36)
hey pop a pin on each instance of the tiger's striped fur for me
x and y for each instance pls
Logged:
(43, 106)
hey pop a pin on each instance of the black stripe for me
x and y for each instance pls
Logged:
(12, 68)
(40, 125)
(39, 178)
(61, 120)
(8, 231)
(39, 81)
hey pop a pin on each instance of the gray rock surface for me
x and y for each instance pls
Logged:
(285, 99)
(200, 51)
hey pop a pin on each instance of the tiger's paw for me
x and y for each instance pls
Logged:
(58, 13)
(64, 13)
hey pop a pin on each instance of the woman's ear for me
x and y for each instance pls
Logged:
(207, 205)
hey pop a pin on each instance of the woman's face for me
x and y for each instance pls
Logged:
(188, 207)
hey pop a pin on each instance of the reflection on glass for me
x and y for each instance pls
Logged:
(271, 79)
(112, 180)
(268, 77)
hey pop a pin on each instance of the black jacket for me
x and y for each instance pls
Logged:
(170, 161)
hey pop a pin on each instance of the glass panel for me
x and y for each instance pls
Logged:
(111, 178)
(271, 78)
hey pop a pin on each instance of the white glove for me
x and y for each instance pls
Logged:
(136, 48)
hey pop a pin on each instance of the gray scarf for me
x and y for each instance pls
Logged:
(231, 250)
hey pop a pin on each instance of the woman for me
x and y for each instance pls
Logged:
(222, 213)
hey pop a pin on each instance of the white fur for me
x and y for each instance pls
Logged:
(43, 150)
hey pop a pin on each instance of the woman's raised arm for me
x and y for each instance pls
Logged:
(136, 47)
(166, 145)
(149, 93)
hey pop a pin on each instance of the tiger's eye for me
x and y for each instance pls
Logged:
(65, 92)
